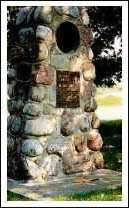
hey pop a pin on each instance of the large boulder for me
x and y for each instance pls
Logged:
(66, 10)
(67, 127)
(57, 145)
(15, 125)
(26, 35)
(42, 126)
(51, 164)
(38, 93)
(90, 104)
(94, 141)
(43, 14)
(22, 15)
(44, 33)
(15, 106)
(85, 123)
(31, 148)
(32, 109)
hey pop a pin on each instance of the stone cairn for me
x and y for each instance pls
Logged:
(52, 125)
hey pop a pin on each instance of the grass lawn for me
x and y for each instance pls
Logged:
(16, 197)
(110, 195)
(111, 132)
(108, 101)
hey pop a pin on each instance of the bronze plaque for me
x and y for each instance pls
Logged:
(68, 89)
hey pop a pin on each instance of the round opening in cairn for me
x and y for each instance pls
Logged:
(23, 72)
(67, 37)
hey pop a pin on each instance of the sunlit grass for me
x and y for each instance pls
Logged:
(107, 195)
(109, 100)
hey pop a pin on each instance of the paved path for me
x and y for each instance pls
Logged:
(100, 179)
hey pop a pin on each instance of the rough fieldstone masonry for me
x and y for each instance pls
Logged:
(52, 125)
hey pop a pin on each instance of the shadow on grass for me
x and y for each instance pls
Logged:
(111, 132)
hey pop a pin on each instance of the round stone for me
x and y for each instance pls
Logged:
(32, 170)
(67, 10)
(91, 55)
(15, 125)
(85, 124)
(32, 109)
(22, 14)
(41, 52)
(98, 159)
(67, 127)
(41, 126)
(38, 93)
(26, 35)
(44, 75)
(51, 164)
(79, 142)
(15, 106)
(43, 14)
(85, 17)
(88, 71)
(32, 148)
(57, 145)
(94, 141)
(95, 121)
(90, 104)
(44, 33)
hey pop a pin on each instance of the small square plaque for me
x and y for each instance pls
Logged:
(67, 89)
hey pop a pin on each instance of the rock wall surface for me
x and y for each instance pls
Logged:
(52, 125)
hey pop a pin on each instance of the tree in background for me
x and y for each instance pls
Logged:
(106, 23)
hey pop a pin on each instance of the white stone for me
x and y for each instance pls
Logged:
(42, 126)
(42, 14)
(42, 51)
(85, 17)
(32, 148)
(89, 72)
(91, 55)
(38, 93)
(44, 33)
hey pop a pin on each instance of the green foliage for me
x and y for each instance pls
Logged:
(106, 22)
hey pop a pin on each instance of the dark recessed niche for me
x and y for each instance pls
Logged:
(68, 89)
(67, 37)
